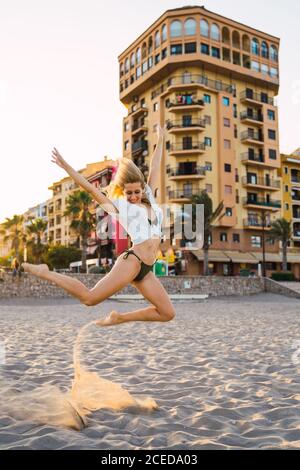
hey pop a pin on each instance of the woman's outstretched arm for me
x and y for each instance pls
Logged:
(155, 164)
(83, 182)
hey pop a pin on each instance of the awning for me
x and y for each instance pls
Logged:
(241, 257)
(213, 255)
(293, 258)
(269, 257)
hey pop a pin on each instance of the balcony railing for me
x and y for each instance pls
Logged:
(185, 172)
(252, 135)
(252, 116)
(191, 79)
(190, 102)
(138, 109)
(183, 194)
(183, 147)
(139, 125)
(272, 183)
(259, 201)
(184, 124)
(256, 97)
(139, 146)
(295, 179)
(256, 157)
(256, 223)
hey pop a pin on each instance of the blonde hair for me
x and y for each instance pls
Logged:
(127, 172)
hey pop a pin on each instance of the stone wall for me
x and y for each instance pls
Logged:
(31, 286)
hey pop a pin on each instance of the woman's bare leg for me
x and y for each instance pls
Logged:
(161, 309)
(122, 273)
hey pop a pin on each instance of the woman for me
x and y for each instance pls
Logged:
(141, 217)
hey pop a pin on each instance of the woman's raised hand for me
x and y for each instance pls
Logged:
(58, 159)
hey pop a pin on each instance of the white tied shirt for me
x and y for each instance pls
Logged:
(134, 219)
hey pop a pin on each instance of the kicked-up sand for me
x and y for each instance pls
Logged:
(224, 374)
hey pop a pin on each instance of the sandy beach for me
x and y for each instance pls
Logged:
(224, 374)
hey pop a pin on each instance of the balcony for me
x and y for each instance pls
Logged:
(252, 137)
(295, 178)
(192, 125)
(183, 149)
(252, 118)
(296, 213)
(256, 224)
(260, 203)
(256, 98)
(139, 146)
(182, 195)
(184, 173)
(264, 183)
(137, 110)
(185, 105)
(192, 81)
(139, 126)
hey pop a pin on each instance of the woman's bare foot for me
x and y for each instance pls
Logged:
(113, 319)
(35, 269)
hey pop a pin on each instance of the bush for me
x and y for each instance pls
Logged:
(97, 270)
(60, 256)
(283, 276)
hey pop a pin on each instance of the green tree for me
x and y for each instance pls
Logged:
(210, 217)
(16, 234)
(281, 230)
(36, 230)
(82, 220)
(60, 256)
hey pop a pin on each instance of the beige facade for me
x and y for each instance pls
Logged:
(214, 82)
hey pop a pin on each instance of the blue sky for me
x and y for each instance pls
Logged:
(59, 82)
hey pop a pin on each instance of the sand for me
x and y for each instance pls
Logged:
(224, 374)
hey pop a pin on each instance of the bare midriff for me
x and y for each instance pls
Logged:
(147, 250)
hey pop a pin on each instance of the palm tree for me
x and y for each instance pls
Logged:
(281, 229)
(83, 222)
(210, 217)
(36, 230)
(15, 234)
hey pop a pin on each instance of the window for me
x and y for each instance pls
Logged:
(176, 29)
(287, 206)
(150, 62)
(236, 238)
(264, 69)
(255, 46)
(272, 134)
(235, 132)
(225, 101)
(126, 126)
(228, 189)
(207, 120)
(204, 48)
(227, 168)
(286, 170)
(207, 141)
(190, 27)
(144, 66)
(227, 144)
(223, 237)
(235, 111)
(164, 53)
(254, 65)
(274, 72)
(204, 28)
(286, 188)
(272, 154)
(215, 52)
(207, 99)
(138, 72)
(271, 115)
(157, 59)
(126, 65)
(273, 53)
(208, 188)
(190, 47)
(228, 212)
(164, 33)
(138, 56)
(256, 241)
(126, 145)
(155, 107)
(264, 50)
(226, 122)
(157, 39)
(215, 32)
(208, 166)
(176, 49)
